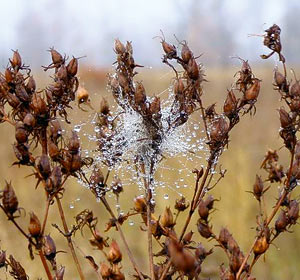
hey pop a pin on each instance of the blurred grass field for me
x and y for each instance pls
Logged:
(237, 209)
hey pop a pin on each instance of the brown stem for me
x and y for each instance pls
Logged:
(128, 251)
(46, 216)
(69, 239)
(272, 215)
(46, 267)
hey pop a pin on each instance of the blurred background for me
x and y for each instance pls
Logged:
(217, 29)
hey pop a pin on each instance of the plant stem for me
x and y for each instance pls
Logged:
(129, 253)
(46, 267)
(69, 239)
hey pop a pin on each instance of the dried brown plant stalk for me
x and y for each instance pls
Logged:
(55, 158)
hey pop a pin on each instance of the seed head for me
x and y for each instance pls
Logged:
(72, 67)
(167, 219)
(16, 61)
(34, 227)
(9, 199)
(49, 248)
(114, 255)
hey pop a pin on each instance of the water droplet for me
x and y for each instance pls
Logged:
(166, 196)
(130, 222)
(71, 206)
(77, 128)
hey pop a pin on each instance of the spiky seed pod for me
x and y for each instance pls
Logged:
(119, 47)
(72, 67)
(218, 129)
(31, 85)
(54, 151)
(187, 239)
(193, 69)
(139, 95)
(167, 219)
(104, 107)
(57, 58)
(16, 61)
(181, 204)
(186, 53)
(258, 188)
(56, 177)
(49, 248)
(285, 119)
(9, 199)
(96, 179)
(34, 226)
(230, 104)
(155, 106)
(105, 271)
(252, 92)
(224, 236)
(114, 255)
(178, 88)
(43, 165)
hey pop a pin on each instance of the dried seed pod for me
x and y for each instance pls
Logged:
(9, 77)
(218, 129)
(22, 94)
(105, 271)
(279, 79)
(119, 47)
(56, 177)
(181, 204)
(31, 85)
(96, 179)
(9, 199)
(72, 67)
(235, 262)
(230, 104)
(258, 188)
(285, 119)
(16, 61)
(167, 219)
(2, 258)
(203, 210)
(201, 253)
(62, 73)
(117, 274)
(261, 245)
(104, 107)
(43, 165)
(54, 151)
(169, 49)
(155, 106)
(82, 95)
(74, 143)
(55, 129)
(17, 271)
(38, 104)
(193, 69)
(76, 163)
(29, 121)
(293, 212)
(178, 88)
(34, 227)
(139, 95)
(204, 229)
(117, 186)
(49, 248)
(224, 236)
(281, 222)
(187, 239)
(209, 202)
(114, 255)
(57, 58)
(252, 92)
(21, 133)
(295, 89)
(186, 53)
(59, 275)
(140, 205)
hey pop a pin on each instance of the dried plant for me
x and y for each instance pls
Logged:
(141, 131)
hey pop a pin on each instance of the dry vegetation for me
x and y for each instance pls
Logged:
(183, 239)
